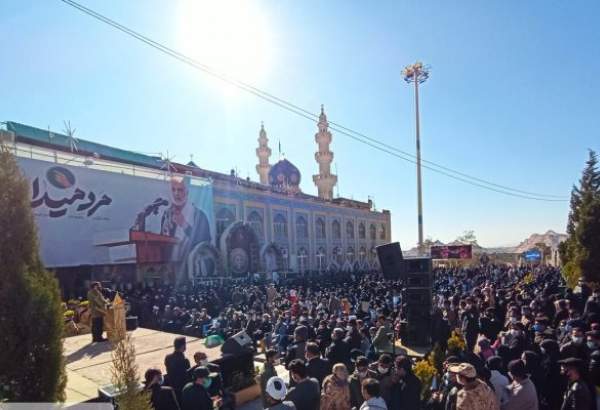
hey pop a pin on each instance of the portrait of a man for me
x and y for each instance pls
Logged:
(184, 221)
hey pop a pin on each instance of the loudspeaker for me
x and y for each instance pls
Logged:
(418, 265)
(391, 260)
(418, 280)
(237, 344)
(417, 297)
(131, 323)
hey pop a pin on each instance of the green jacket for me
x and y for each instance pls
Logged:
(97, 303)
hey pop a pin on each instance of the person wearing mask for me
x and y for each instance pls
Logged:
(372, 394)
(497, 379)
(335, 394)
(360, 374)
(266, 374)
(177, 365)
(474, 394)
(406, 387)
(521, 392)
(578, 396)
(593, 341)
(306, 393)
(195, 394)
(161, 397)
(275, 395)
(576, 347)
(383, 370)
(316, 366)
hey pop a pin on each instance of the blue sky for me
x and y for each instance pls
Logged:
(512, 97)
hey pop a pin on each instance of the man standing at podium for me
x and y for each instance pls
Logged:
(98, 306)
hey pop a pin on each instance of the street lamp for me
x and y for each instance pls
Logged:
(417, 73)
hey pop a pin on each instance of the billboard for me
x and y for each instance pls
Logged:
(88, 216)
(452, 252)
(532, 255)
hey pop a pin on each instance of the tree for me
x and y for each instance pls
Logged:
(125, 377)
(580, 253)
(468, 237)
(31, 323)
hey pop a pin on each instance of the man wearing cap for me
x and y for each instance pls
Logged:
(579, 395)
(275, 395)
(475, 394)
(195, 394)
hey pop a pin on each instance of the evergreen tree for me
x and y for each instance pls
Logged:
(580, 253)
(31, 324)
(125, 377)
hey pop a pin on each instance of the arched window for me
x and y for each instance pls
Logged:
(382, 232)
(337, 255)
(336, 230)
(280, 227)
(256, 223)
(224, 218)
(361, 231)
(302, 259)
(372, 232)
(362, 254)
(349, 230)
(350, 254)
(320, 228)
(301, 228)
(321, 258)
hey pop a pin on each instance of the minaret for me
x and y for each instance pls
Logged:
(325, 180)
(263, 152)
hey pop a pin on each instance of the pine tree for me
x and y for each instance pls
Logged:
(125, 377)
(31, 325)
(580, 253)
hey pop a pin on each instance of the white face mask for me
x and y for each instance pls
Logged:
(382, 370)
(362, 375)
(203, 363)
(577, 340)
(514, 332)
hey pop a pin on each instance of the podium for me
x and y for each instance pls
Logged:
(114, 321)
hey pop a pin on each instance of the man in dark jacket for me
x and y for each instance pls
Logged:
(470, 324)
(161, 397)
(579, 395)
(406, 387)
(361, 373)
(339, 350)
(306, 394)
(195, 394)
(177, 366)
(316, 367)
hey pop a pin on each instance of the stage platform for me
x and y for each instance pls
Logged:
(89, 365)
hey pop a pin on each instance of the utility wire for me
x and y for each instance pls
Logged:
(360, 137)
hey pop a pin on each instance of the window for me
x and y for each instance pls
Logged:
(224, 218)
(256, 223)
(382, 232)
(361, 231)
(320, 228)
(336, 230)
(349, 230)
(280, 227)
(321, 258)
(301, 228)
(337, 255)
(302, 259)
(372, 232)
(362, 254)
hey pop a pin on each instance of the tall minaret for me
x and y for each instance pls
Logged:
(324, 180)
(263, 152)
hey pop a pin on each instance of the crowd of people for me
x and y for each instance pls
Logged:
(527, 341)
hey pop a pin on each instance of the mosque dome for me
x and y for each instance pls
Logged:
(285, 177)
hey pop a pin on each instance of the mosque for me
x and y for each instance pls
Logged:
(264, 226)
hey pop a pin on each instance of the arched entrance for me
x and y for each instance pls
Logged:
(271, 257)
(239, 247)
(204, 262)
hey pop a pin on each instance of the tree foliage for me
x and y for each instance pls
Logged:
(580, 253)
(468, 237)
(31, 325)
(125, 377)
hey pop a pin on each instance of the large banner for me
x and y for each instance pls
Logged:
(451, 252)
(91, 217)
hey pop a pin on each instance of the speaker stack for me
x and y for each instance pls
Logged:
(416, 275)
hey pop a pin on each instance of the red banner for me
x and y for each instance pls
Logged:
(452, 252)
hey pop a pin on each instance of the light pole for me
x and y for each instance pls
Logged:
(417, 73)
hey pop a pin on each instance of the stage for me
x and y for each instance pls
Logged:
(89, 365)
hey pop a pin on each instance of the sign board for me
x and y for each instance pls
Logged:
(452, 252)
(532, 255)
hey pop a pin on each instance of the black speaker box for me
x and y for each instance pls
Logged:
(418, 280)
(417, 297)
(237, 344)
(418, 265)
(391, 260)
